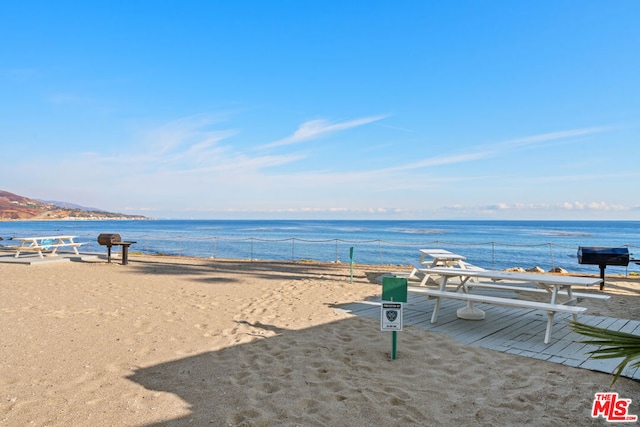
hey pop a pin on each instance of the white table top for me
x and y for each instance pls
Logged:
(442, 254)
(32, 239)
(549, 279)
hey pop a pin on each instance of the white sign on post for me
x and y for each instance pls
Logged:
(391, 316)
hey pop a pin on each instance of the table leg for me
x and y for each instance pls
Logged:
(424, 280)
(75, 248)
(426, 277)
(570, 295)
(125, 254)
(547, 334)
(436, 308)
(554, 295)
(550, 314)
(469, 312)
(415, 270)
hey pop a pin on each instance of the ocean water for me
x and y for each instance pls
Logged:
(489, 244)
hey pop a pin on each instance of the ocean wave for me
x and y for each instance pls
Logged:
(350, 229)
(553, 233)
(419, 230)
(274, 228)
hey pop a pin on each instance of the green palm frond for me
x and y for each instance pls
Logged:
(613, 344)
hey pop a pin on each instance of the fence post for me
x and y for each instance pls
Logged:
(351, 265)
(293, 244)
(493, 254)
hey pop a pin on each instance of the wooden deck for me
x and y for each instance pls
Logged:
(510, 330)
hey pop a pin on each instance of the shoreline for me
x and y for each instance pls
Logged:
(406, 267)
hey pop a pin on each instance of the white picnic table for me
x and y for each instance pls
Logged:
(45, 243)
(434, 258)
(557, 287)
(440, 257)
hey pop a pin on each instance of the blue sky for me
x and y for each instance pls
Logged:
(324, 109)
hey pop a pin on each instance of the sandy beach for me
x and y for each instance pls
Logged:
(170, 341)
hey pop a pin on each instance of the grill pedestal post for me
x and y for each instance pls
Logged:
(125, 251)
(112, 239)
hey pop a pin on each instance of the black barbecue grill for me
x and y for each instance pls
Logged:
(112, 239)
(602, 256)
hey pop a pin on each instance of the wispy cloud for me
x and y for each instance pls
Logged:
(190, 132)
(187, 147)
(442, 161)
(551, 137)
(317, 128)
(501, 148)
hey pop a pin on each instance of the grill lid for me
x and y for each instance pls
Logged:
(598, 255)
(109, 238)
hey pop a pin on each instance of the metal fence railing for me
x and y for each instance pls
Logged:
(495, 255)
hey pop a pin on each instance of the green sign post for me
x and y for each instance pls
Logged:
(394, 293)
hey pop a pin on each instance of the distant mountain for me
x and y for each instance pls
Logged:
(14, 207)
(67, 205)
